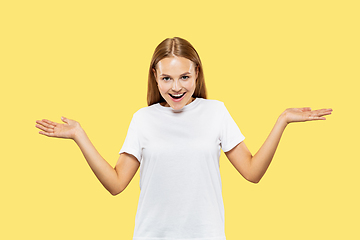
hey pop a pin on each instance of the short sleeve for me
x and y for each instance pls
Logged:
(230, 134)
(132, 141)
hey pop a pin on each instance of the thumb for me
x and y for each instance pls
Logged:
(64, 119)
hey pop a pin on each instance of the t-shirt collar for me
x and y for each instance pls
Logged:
(183, 109)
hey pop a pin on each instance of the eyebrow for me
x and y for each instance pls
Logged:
(169, 75)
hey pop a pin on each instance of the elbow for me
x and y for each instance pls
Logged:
(116, 192)
(253, 179)
(250, 178)
(117, 189)
(253, 176)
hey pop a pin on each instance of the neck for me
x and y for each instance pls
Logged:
(165, 104)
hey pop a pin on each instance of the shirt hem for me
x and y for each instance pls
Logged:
(132, 152)
(147, 238)
(233, 144)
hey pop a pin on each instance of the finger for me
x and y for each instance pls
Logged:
(47, 134)
(50, 122)
(46, 124)
(305, 109)
(328, 110)
(322, 112)
(311, 117)
(44, 128)
(65, 120)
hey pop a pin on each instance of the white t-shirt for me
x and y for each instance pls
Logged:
(180, 183)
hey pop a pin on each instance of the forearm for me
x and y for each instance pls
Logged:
(262, 159)
(102, 169)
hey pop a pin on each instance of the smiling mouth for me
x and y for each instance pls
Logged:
(177, 96)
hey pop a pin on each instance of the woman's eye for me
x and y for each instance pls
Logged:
(168, 78)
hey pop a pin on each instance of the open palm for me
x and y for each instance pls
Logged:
(59, 130)
(305, 114)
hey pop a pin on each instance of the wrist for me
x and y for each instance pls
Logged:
(79, 133)
(282, 120)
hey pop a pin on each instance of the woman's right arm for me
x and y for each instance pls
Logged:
(115, 180)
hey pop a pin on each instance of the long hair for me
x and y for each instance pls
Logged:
(168, 48)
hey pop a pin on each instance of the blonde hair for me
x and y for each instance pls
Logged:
(168, 48)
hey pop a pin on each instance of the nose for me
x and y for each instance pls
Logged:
(176, 86)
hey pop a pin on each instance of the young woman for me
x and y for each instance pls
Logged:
(176, 142)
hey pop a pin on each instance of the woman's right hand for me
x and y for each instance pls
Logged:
(59, 130)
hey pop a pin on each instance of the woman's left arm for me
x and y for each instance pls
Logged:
(254, 167)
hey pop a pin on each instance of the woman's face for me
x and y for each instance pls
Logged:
(176, 78)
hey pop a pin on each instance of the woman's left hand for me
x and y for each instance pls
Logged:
(304, 114)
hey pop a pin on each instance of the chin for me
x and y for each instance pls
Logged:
(177, 105)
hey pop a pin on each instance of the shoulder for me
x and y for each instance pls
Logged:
(144, 111)
(212, 103)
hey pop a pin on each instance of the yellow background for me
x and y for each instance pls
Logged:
(89, 60)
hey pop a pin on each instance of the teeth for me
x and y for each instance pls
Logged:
(177, 95)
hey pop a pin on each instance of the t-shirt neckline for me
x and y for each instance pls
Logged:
(185, 108)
